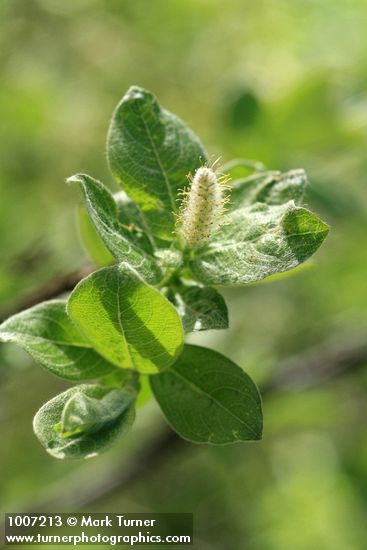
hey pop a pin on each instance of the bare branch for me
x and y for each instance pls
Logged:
(54, 288)
(341, 354)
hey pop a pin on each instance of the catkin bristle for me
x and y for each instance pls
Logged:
(202, 208)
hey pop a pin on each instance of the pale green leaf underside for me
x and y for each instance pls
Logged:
(103, 211)
(92, 242)
(135, 230)
(273, 188)
(150, 152)
(83, 414)
(206, 398)
(259, 241)
(200, 308)
(46, 423)
(46, 332)
(127, 321)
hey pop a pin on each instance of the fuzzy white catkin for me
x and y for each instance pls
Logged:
(203, 208)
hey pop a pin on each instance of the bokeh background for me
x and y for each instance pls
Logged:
(282, 81)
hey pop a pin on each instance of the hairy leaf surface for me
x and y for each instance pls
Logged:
(200, 308)
(83, 414)
(272, 188)
(150, 152)
(84, 421)
(104, 213)
(133, 219)
(257, 242)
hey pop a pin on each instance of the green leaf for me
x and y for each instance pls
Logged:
(84, 421)
(206, 398)
(150, 152)
(46, 332)
(241, 168)
(272, 188)
(127, 321)
(103, 211)
(85, 415)
(300, 269)
(117, 378)
(124, 377)
(145, 392)
(134, 228)
(169, 259)
(200, 308)
(91, 241)
(130, 215)
(257, 242)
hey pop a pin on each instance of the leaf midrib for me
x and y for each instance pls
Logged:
(202, 392)
(225, 245)
(159, 161)
(120, 322)
(116, 234)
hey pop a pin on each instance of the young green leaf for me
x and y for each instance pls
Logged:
(92, 242)
(269, 187)
(117, 378)
(200, 308)
(134, 227)
(103, 211)
(85, 415)
(46, 332)
(169, 259)
(84, 421)
(206, 398)
(125, 377)
(150, 152)
(242, 168)
(127, 321)
(132, 218)
(257, 242)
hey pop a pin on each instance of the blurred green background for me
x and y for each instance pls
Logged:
(282, 81)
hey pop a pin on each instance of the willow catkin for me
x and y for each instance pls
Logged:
(202, 209)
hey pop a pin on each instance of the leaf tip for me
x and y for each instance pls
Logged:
(76, 178)
(136, 93)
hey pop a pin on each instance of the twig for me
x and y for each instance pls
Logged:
(77, 493)
(341, 354)
(54, 288)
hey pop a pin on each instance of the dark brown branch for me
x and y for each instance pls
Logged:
(75, 495)
(54, 288)
(341, 354)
